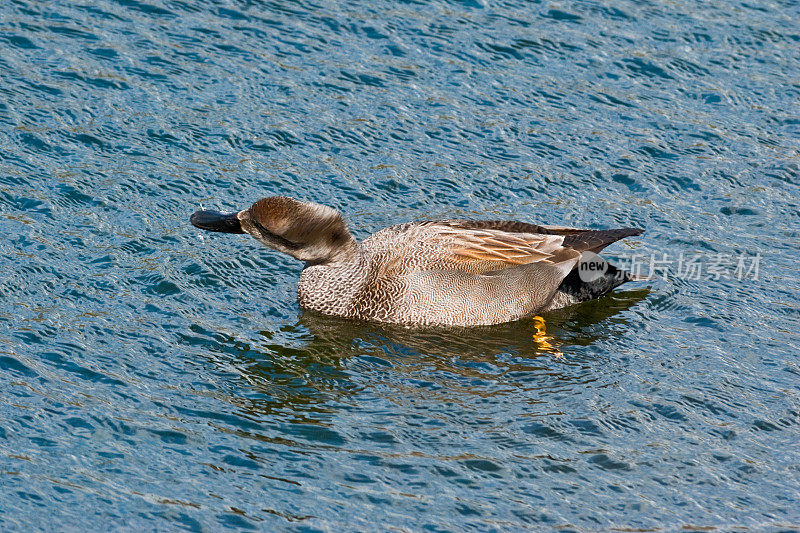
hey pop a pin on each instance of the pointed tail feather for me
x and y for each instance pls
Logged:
(596, 240)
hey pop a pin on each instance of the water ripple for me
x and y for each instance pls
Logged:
(154, 377)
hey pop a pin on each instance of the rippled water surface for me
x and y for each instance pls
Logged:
(153, 376)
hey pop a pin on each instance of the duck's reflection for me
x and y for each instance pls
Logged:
(305, 367)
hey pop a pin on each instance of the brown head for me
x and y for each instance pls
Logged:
(305, 230)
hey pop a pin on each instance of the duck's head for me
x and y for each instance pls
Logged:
(307, 231)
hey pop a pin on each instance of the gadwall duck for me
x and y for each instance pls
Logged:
(434, 273)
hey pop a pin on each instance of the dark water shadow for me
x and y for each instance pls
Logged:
(304, 368)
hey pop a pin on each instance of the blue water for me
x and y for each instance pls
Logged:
(153, 376)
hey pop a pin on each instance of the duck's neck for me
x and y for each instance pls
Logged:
(342, 254)
(330, 287)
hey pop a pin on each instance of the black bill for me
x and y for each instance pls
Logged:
(215, 221)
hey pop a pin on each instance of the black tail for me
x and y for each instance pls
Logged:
(587, 286)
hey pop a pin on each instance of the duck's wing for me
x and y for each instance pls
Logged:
(480, 246)
(575, 238)
(486, 250)
(511, 226)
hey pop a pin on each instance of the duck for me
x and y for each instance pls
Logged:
(429, 273)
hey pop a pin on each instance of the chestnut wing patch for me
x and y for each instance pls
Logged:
(483, 250)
